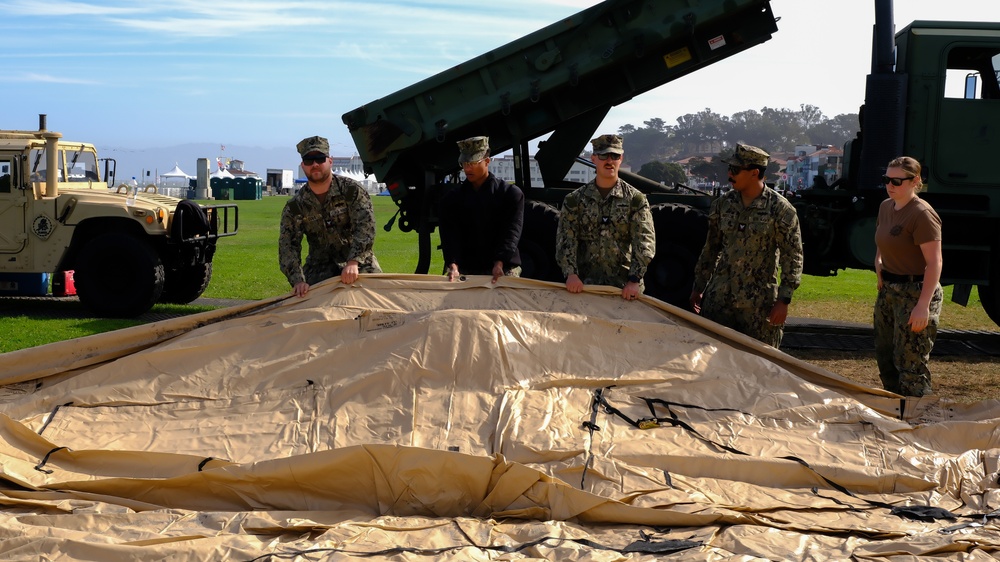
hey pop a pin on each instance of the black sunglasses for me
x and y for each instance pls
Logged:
(896, 181)
(734, 170)
(610, 155)
(313, 159)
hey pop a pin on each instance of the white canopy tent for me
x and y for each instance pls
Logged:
(221, 173)
(176, 175)
(369, 183)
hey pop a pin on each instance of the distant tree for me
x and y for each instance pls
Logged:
(644, 145)
(695, 128)
(773, 129)
(656, 124)
(809, 116)
(703, 168)
(835, 131)
(664, 172)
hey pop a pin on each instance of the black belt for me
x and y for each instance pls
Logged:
(896, 278)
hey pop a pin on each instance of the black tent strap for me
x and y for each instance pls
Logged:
(52, 416)
(922, 513)
(45, 460)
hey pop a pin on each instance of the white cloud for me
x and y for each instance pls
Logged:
(57, 8)
(48, 79)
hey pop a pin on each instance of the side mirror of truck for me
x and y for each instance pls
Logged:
(970, 86)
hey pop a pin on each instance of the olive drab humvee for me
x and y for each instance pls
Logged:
(129, 248)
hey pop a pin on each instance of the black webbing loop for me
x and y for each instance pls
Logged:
(45, 460)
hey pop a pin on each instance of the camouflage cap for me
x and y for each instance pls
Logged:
(747, 155)
(608, 144)
(313, 144)
(473, 149)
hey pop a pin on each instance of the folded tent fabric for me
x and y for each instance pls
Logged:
(420, 407)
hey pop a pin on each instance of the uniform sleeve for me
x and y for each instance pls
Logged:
(567, 235)
(643, 236)
(928, 227)
(363, 222)
(789, 242)
(290, 245)
(513, 222)
(709, 257)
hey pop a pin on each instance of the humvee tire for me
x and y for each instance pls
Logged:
(118, 275)
(186, 284)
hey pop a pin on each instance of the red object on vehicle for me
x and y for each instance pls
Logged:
(62, 284)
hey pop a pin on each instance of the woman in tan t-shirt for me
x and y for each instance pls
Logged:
(908, 265)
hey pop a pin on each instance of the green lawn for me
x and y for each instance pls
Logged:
(246, 268)
(246, 265)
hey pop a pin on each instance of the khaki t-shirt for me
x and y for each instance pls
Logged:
(899, 234)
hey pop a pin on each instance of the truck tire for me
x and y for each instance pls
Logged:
(538, 242)
(118, 275)
(989, 297)
(680, 235)
(186, 284)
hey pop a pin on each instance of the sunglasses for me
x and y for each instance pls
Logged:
(610, 155)
(896, 181)
(313, 159)
(735, 170)
(472, 163)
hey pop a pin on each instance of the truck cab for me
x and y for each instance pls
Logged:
(934, 95)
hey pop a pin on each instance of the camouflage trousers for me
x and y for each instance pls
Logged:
(750, 321)
(901, 353)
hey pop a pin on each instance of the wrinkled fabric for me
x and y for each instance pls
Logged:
(418, 419)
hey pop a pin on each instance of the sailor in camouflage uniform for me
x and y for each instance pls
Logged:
(335, 215)
(605, 234)
(751, 230)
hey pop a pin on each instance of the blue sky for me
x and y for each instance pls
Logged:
(267, 73)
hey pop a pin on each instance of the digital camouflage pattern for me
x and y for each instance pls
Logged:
(605, 240)
(313, 144)
(737, 271)
(338, 229)
(902, 354)
(746, 155)
(473, 149)
(608, 144)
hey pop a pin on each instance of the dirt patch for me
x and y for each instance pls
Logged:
(965, 379)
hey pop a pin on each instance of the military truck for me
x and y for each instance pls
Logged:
(128, 247)
(563, 79)
(932, 94)
(560, 81)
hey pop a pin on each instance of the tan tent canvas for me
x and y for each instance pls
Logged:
(408, 418)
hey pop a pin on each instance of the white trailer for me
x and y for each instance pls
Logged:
(280, 181)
